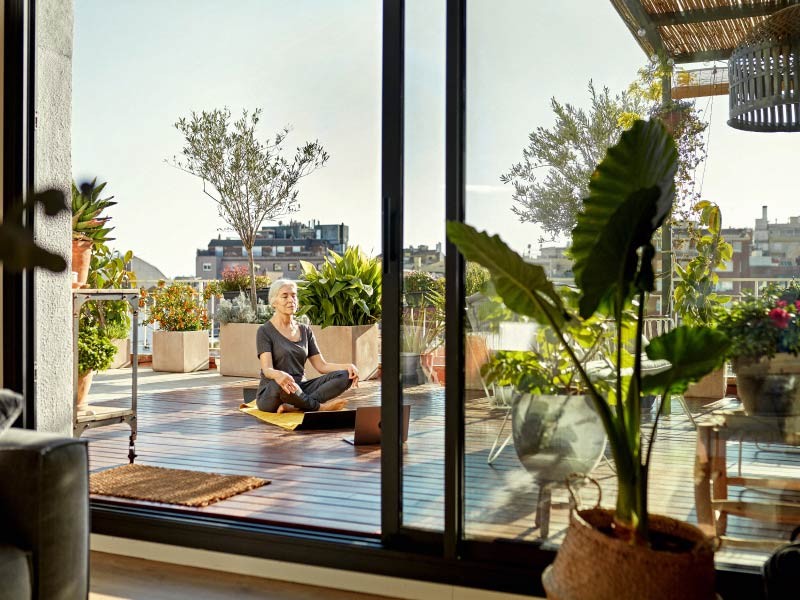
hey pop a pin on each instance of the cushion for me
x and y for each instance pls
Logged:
(15, 573)
(10, 408)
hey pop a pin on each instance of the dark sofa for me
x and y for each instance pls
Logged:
(44, 517)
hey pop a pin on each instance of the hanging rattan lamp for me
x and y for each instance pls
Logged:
(764, 76)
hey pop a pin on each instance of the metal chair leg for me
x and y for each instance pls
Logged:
(495, 451)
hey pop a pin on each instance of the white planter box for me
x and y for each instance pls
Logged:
(358, 345)
(122, 358)
(237, 350)
(711, 387)
(180, 351)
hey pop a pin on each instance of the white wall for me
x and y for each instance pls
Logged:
(53, 168)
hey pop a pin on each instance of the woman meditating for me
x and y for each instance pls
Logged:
(283, 346)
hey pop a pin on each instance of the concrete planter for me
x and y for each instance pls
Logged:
(122, 358)
(237, 350)
(180, 351)
(713, 386)
(358, 345)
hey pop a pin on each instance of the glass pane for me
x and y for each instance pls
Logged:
(422, 333)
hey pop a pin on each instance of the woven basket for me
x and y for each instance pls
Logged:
(591, 564)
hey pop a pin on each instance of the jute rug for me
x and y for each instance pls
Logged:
(173, 486)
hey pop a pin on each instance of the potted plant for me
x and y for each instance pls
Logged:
(239, 324)
(236, 280)
(422, 334)
(342, 300)
(88, 227)
(180, 344)
(765, 340)
(108, 270)
(625, 552)
(695, 299)
(95, 353)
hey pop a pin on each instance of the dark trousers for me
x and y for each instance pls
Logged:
(316, 391)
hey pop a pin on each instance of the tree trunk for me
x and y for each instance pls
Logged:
(253, 299)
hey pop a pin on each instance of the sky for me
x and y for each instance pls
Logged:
(139, 65)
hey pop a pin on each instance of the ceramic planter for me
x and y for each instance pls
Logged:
(180, 351)
(237, 350)
(769, 386)
(84, 383)
(81, 258)
(711, 387)
(594, 564)
(358, 345)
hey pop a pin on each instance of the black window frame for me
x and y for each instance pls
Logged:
(503, 565)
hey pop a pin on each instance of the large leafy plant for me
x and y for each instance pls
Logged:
(95, 350)
(695, 296)
(423, 325)
(108, 270)
(630, 195)
(345, 290)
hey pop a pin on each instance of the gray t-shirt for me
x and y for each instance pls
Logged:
(287, 355)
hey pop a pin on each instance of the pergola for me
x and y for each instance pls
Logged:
(692, 31)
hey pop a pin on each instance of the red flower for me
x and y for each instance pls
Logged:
(781, 304)
(797, 304)
(780, 317)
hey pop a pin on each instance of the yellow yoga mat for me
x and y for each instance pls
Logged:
(335, 419)
(288, 421)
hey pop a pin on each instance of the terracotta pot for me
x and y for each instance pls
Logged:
(593, 564)
(84, 383)
(476, 354)
(769, 386)
(81, 257)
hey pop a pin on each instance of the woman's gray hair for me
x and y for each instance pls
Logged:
(276, 286)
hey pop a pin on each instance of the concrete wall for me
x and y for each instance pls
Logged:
(53, 168)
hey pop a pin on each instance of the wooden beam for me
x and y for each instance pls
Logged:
(720, 13)
(644, 22)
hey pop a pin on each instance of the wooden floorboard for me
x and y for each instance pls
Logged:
(321, 482)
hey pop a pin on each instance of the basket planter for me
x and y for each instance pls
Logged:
(710, 387)
(594, 564)
(358, 345)
(237, 350)
(769, 386)
(180, 351)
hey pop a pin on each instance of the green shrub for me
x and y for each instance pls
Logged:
(346, 290)
(95, 350)
(239, 310)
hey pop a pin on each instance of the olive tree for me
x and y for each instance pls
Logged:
(553, 177)
(251, 181)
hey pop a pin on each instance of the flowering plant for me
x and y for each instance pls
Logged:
(237, 278)
(763, 325)
(177, 307)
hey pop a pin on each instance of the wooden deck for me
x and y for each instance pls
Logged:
(319, 481)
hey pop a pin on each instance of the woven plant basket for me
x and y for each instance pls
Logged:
(592, 564)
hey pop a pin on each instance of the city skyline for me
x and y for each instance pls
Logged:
(316, 65)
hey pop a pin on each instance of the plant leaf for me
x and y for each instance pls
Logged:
(523, 287)
(630, 195)
(692, 351)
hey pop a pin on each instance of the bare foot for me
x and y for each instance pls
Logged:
(335, 404)
(287, 408)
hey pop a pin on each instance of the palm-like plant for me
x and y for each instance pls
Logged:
(630, 195)
(87, 224)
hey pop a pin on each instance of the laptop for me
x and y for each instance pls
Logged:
(368, 425)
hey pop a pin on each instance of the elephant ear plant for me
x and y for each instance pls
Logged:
(630, 195)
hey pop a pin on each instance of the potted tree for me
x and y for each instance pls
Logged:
(695, 297)
(342, 300)
(180, 344)
(88, 226)
(238, 325)
(624, 552)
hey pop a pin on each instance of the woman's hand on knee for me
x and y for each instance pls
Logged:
(286, 382)
(352, 373)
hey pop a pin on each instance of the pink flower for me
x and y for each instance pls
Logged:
(781, 303)
(780, 317)
(797, 304)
